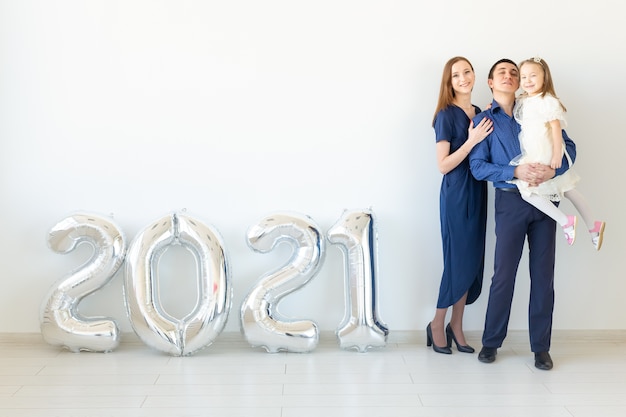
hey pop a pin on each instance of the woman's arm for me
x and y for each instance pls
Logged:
(447, 161)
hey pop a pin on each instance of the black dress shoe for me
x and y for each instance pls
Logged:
(430, 341)
(487, 354)
(543, 361)
(461, 348)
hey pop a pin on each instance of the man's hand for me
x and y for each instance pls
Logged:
(542, 173)
(534, 174)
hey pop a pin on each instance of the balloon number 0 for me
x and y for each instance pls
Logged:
(151, 323)
(354, 232)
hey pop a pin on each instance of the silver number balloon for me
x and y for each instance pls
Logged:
(156, 328)
(61, 325)
(355, 233)
(261, 323)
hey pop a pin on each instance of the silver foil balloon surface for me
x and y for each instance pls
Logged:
(261, 323)
(154, 326)
(355, 233)
(61, 324)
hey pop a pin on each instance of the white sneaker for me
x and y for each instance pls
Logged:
(570, 229)
(597, 234)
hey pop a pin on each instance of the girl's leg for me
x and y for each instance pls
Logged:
(568, 223)
(580, 202)
(547, 207)
(596, 228)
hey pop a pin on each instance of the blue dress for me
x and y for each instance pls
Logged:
(463, 216)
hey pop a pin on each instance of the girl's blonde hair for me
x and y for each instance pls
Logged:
(548, 84)
(446, 92)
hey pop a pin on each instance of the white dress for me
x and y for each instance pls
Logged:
(534, 114)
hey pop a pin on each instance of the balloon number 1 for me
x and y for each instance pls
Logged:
(355, 233)
(261, 323)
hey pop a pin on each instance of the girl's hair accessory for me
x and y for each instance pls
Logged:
(537, 59)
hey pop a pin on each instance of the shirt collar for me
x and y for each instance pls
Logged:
(495, 107)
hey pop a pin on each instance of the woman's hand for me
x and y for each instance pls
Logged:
(475, 135)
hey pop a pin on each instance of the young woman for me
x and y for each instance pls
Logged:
(462, 204)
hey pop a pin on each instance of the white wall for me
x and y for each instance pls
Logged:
(234, 110)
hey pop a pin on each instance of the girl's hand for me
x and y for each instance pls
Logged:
(556, 162)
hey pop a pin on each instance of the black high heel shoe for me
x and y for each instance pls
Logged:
(429, 341)
(451, 337)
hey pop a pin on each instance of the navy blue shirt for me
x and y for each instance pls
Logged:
(490, 159)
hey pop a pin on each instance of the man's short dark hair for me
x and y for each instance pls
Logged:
(508, 61)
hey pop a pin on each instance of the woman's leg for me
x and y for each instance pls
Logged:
(456, 321)
(437, 325)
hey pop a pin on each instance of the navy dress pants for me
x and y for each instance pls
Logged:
(516, 220)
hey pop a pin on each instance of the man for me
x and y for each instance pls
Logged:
(516, 220)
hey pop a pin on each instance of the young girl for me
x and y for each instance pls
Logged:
(542, 116)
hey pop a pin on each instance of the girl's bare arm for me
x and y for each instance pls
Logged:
(557, 144)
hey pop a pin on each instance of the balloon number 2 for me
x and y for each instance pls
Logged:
(60, 322)
(261, 324)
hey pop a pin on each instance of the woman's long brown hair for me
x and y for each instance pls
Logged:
(446, 92)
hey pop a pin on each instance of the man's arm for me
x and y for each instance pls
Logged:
(570, 148)
(482, 166)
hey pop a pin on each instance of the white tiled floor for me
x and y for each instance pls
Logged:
(229, 378)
